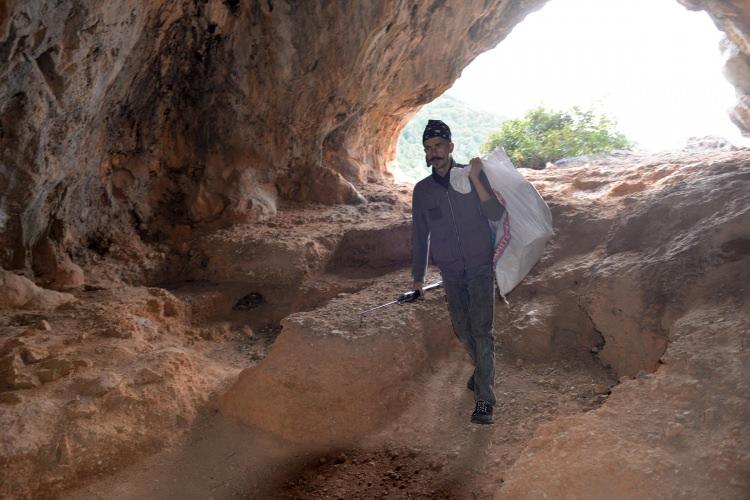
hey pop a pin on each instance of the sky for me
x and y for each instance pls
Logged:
(652, 65)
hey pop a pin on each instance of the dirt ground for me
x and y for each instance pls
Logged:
(428, 450)
(246, 372)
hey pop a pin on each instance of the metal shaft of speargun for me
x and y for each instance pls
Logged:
(362, 313)
(410, 296)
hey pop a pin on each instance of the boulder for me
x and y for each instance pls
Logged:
(32, 354)
(18, 292)
(53, 369)
(97, 385)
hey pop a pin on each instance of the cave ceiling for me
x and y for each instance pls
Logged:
(137, 116)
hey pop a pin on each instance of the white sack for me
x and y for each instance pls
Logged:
(522, 233)
(460, 180)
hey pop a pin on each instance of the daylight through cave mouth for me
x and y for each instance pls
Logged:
(654, 70)
(156, 143)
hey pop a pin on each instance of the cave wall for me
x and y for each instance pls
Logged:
(135, 117)
(733, 18)
(142, 115)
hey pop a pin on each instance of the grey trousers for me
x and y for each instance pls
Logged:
(471, 302)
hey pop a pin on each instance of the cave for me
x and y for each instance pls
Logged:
(195, 206)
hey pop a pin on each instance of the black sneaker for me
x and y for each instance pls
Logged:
(482, 414)
(470, 384)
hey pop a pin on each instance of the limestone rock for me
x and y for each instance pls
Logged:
(708, 143)
(117, 332)
(334, 375)
(12, 375)
(80, 408)
(633, 448)
(10, 369)
(10, 398)
(32, 354)
(147, 376)
(15, 291)
(97, 385)
(214, 137)
(13, 345)
(47, 300)
(83, 363)
(19, 292)
(53, 369)
(54, 267)
(733, 18)
(247, 332)
(68, 276)
(29, 332)
(63, 452)
(24, 381)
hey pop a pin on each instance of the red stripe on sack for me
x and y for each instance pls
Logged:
(505, 240)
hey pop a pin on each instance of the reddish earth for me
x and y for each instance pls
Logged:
(184, 251)
(245, 370)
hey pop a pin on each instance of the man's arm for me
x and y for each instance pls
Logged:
(491, 207)
(420, 243)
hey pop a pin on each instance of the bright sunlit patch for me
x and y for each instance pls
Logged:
(652, 65)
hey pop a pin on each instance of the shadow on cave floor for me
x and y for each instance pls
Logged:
(251, 315)
(430, 450)
(251, 311)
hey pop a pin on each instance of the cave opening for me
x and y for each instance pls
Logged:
(656, 69)
(196, 330)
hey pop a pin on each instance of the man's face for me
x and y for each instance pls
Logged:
(437, 152)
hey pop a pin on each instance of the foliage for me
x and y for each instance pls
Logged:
(468, 127)
(545, 135)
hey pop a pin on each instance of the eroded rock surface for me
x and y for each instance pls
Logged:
(647, 275)
(138, 118)
(648, 250)
(19, 292)
(678, 433)
(120, 372)
(96, 383)
(224, 148)
(667, 291)
(733, 18)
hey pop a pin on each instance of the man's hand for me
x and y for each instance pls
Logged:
(419, 286)
(476, 167)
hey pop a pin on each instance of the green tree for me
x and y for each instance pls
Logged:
(545, 135)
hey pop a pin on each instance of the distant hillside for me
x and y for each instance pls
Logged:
(470, 129)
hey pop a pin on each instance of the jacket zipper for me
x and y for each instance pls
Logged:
(455, 228)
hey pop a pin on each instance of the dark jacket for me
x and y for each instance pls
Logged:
(452, 226)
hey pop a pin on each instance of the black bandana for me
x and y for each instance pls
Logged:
(436, 128)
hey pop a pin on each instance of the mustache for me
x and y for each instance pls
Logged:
(435, 158)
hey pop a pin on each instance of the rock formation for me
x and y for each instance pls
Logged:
(645, 281)
(233, 153)
(733, 18)
(648, 271)
(129, 119)
(134, 117)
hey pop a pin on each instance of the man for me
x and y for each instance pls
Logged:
(455, 230)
